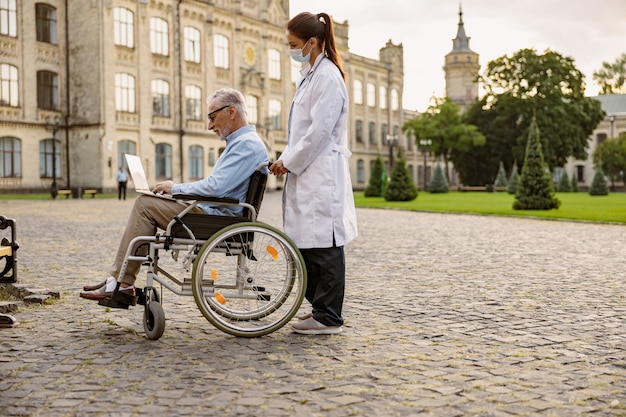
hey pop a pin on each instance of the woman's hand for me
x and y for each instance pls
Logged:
(277, 168)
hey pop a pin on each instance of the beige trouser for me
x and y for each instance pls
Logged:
(148, 214)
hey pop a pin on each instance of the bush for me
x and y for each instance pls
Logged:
(501, 177)
(574, 183)
(400, 187)
(564, 183)
(439, 183)
(599, 185)
(535, 190)
(375, 187)
(512, 188)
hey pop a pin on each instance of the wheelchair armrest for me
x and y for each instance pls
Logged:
(218, 200)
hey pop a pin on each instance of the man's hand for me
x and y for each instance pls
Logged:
(164, 187)
(277, 168)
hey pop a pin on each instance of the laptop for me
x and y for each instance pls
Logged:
(138, 174)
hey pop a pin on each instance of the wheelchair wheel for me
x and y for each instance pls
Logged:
(154, 320)
(249, 279)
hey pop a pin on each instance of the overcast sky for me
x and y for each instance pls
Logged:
(589, 31)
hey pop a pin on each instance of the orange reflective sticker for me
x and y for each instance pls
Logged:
(272, 251)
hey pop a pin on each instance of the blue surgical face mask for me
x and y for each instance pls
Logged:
(296, 54)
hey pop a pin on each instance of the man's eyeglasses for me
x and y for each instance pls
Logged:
(212, 114)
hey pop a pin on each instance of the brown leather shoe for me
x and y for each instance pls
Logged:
(100, 294)
(94, 287)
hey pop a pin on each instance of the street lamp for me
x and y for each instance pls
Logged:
(54, 128)
(424, 146)
(612, 120)
(392, 141)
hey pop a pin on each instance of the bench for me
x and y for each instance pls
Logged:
(8, 249)
(488, 188)
(93, 192)
(66, 193)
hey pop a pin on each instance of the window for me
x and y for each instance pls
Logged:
(9, 95)
(252, 107)
(47, 90)
(196, 162)
(124, 92)
(383, 133)
(357, 94)
(382, 96)
(220, 51)
(192, 44)
(10, 158)
(211, 157)
(45, 158)
(273, 62)
(193, 99)
(275, 114)
(395, 99)
(159, 36)
(46, 23)
(8, 18)
(358, 128)
(124, 147)
(371, 95)
(360, 171)
(580, 173)
(160, 98)
(163, 161)
(600, 137)
(371, 133)
(123, 27)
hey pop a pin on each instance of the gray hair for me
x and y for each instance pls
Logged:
(230, 97)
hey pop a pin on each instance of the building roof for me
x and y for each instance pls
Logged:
(612, 103)
(461, 42)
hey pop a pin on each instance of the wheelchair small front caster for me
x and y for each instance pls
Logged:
(153, 316)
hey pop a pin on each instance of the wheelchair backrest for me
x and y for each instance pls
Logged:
(256, 191)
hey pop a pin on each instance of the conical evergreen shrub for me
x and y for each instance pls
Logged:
(574, 183)
(400, 187)
(439, 183)
(599, 185)
(375, 185)
(501, 177)
(564, 183)
(535, 190)
(512, 188)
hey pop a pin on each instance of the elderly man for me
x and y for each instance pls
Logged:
(243, 153)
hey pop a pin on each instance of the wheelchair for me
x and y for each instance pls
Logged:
(247, 278)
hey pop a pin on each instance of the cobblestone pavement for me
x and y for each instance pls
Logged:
(446, 315)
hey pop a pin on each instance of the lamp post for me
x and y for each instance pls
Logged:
(392, 141)
(612, 120)
(424, 145)
(54, 128)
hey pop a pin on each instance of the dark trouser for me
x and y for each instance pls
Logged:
(121, 190)
(326, 282)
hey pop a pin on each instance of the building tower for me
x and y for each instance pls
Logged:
(461, 69)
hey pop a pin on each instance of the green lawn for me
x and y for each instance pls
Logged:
(574, 206)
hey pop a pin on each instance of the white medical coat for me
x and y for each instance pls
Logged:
(317, 199)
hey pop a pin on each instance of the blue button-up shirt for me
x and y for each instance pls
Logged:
(244, 152)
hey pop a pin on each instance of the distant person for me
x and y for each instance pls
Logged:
(318, 205)
(122, 180)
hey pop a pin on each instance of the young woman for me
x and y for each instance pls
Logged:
(318, 206)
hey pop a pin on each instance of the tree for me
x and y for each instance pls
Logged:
(574, 187)
(599, 185)
(439, 183)
(534, 190)
(400, 187)
(610, 155)
(501, 177)
(564, 183)
(612, 76)
(513, 181)
(442, 124)
(375, 186)
(518, 87)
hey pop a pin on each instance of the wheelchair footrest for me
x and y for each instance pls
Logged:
(119, 300)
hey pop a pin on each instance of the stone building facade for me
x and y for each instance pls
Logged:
(85, 81)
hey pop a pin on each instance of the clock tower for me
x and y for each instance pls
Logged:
(461, 69)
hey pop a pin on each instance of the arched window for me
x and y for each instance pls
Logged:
(159, 36)
(357, 92)
(220, 51)
(275, 113)
(196, 162)
(47, 90)
(124, 92)
(46, 17)
(163, 161)
(123, 27)
(193, 99)
(192, 44)
(274, 63)
(360, 171)
(46, 152)
(160, 98)
(252, 107)
(9, 95)
(10, 157)
(8, 18)
(125, 147)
